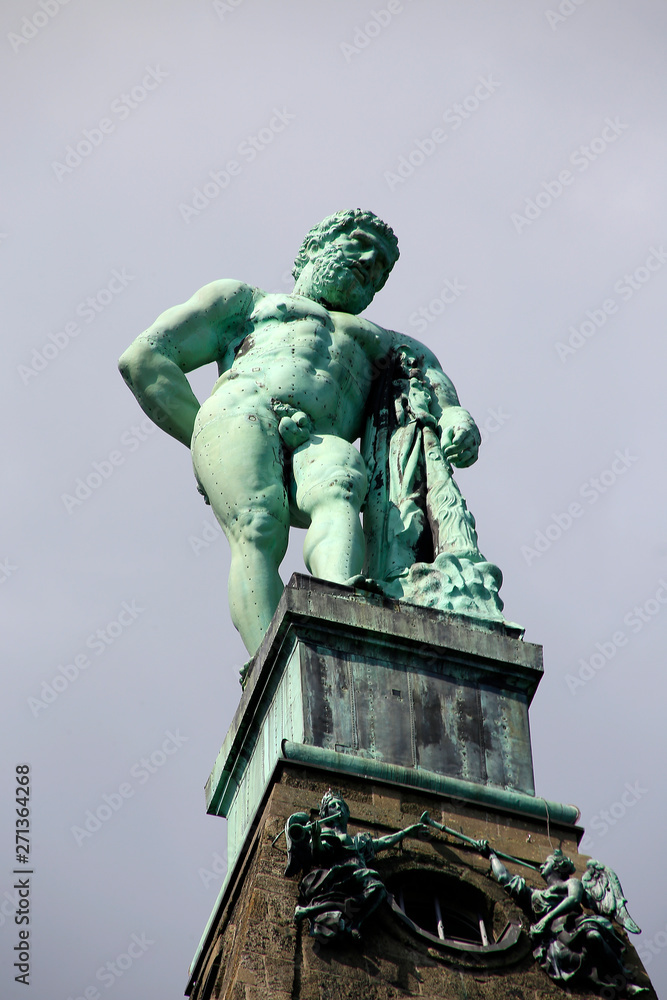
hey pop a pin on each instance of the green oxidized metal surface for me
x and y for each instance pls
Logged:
(426, 712)
(282, 719)
(486, 795)
(302, 377)
(572, 946)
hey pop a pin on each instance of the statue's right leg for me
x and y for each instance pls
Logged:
(238, 462)
(331, 482)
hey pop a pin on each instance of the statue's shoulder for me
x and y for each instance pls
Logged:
(227, 292)
(575, 886)
(402, 342)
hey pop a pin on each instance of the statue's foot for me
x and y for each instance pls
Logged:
(361, 582)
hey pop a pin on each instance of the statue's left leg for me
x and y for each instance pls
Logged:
(331, 484)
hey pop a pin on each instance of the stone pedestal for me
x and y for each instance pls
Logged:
(254, 950)
(402, 709)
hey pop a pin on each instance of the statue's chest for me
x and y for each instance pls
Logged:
(275, 310)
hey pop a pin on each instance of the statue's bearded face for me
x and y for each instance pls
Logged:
(349, 269)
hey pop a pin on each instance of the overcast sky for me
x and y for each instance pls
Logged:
(519, 153)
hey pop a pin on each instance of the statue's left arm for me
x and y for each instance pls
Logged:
(183, 338)
(382, 843)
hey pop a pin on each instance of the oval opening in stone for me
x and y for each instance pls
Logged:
(444, 907)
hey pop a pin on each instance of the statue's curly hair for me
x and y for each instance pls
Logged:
(339, 222)
(330, 794)
(563, 865)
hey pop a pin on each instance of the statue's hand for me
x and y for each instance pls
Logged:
(460, 438)
(295, 429)
(538, 929)
(484, 848)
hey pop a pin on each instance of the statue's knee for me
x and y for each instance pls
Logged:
(350, 485)
(337, 474)
(341, 485)
(260, 528)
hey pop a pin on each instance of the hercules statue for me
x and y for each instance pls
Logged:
(298, 384)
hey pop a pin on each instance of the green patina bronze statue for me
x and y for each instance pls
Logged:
(573, 947)
(339, 890)
(302, 377)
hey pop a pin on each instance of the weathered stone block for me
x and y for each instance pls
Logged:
(265, 955)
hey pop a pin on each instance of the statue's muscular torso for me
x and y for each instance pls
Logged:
(306, 356)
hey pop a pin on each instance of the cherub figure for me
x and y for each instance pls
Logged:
(571, 946)
(340, 890)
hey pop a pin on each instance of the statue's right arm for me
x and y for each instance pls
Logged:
(500, 873)
(183, 338)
